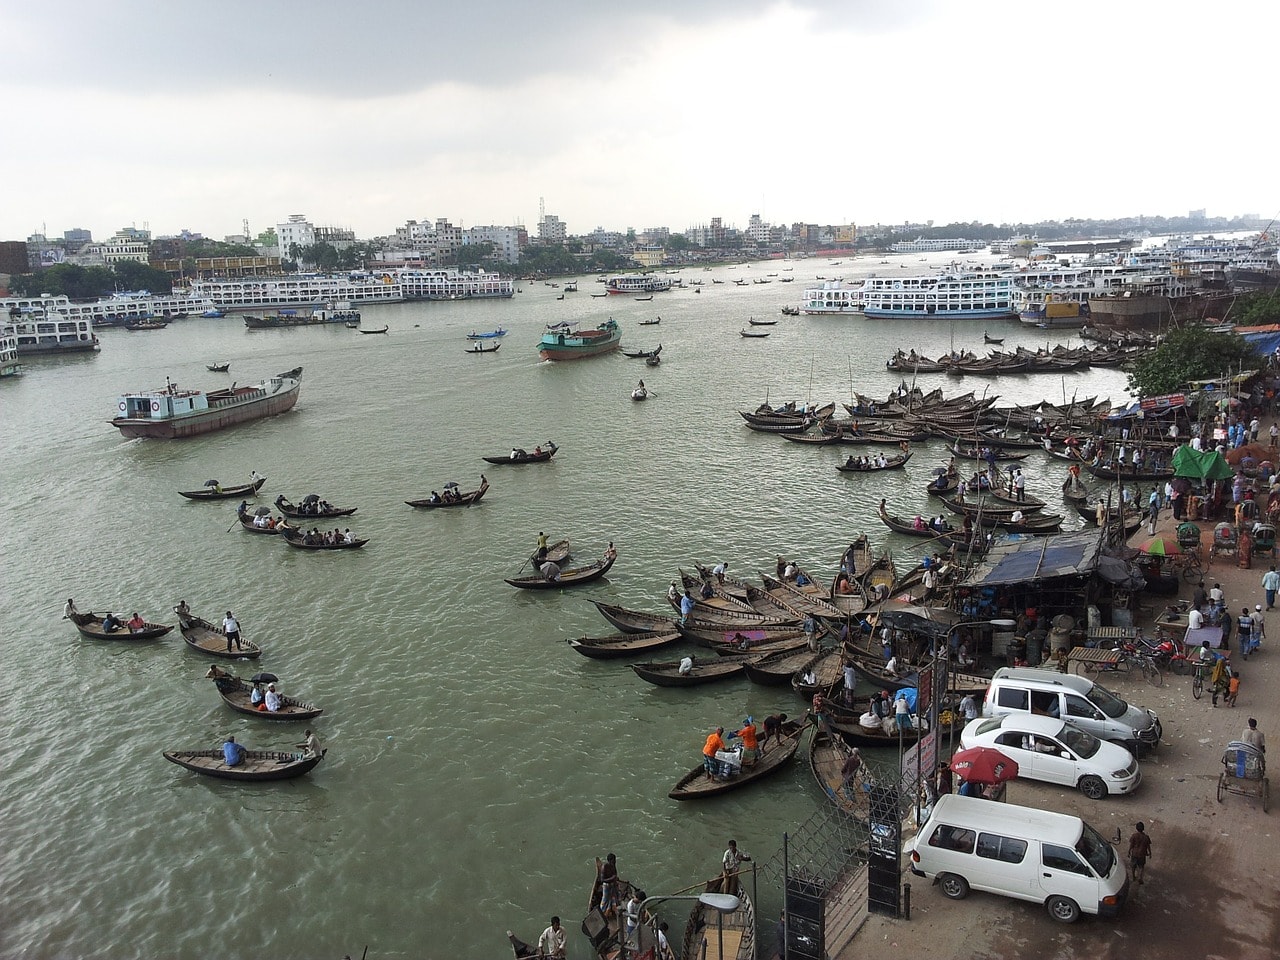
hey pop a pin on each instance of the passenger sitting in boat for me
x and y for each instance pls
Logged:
(435, 497)
(789, 573)
(348, 536)
(705, 592)
(801, 579)
(686, 666)
(260, 522)
(273, 700)
(537, 451)
(232, 752)
(844, 587)
(110, 623)
(917, 523)
(256, 696)
(1016, 517)
(550, 571)
(893, 668)
(881, 461)
(850, 463)
(136, 623)
(741, 641)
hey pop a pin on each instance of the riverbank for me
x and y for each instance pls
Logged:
(1212, 873)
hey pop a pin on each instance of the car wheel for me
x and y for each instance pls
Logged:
(1093, 787)
(1063, 909)
(954, 886)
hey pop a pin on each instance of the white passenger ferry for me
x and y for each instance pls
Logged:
(296, 290)
(637, 283)
(922, 245)
(833, 297)
(968, 296)
(117, 308)
(39, 326)
(9, 366)
(420, 284)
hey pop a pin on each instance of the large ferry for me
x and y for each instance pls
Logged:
(637, 283)
(453, 285)
(9, 366)
(969, 296)
(564, 341)
(264, 293)
(922, 245)
(293, 318)
(38, 326)
(834, 297)
(173, 413)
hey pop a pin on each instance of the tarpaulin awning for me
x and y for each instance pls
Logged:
(1263, 339)
(1048, 558)
(1200, 464)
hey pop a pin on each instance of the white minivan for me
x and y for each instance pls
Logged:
(1050, 858)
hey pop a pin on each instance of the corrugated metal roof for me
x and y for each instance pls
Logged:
(1045, 558)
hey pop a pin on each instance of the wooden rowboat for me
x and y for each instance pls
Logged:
(696, 785)
(225, 493)
(207, 638)
(257, 765)
(827, 756)
(385, 328)
(296, 538)
(236, 694)
(827, 669)
(727, 936)
(90, 625)
(289, 509)
(667, 673)
(634, 621)
(623, 644)
(461, 500)
(246, 521)
(891, 463)
(218, 367)
(481, 348)
(572, 577)
(776, 669)
(523, 457)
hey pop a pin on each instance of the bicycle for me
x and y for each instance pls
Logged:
(1193, 569)
(1197, 679)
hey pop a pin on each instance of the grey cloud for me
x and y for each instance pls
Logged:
(348, 50)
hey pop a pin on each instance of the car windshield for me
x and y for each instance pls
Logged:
(1082, 744)
(1096, 851)
(1107, 702)
(987, 726)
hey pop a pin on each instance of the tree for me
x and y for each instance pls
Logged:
(141, 276)
(1190, 353)
(1256, 309)
(475, 253)
(677, 243)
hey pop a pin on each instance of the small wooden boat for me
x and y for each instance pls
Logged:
(541, 455)
(753, 334)
(575, 576)
(457, 500)
(257, 764)
(776, 669)
(653, 361)
(715, 936)
(877, 580)
(695, 785)
(667, 673)
(218, 367)
(827, 757)
(943, 486)
(479, 347)
(246, 522)
(974, 453)
(639, 393)
(352, 324)
(557, 552)
(649, 323)
(825, 668)
(90, 625)
(996, 341)
(634, 621)
(623, 644)
(311, 508)
(385, 328)
(298, 538)
(209, 638)
(761, 323)
(237, 694)
(644, 299)
(642, 354)
(499, 332)
(145, 324)
(219, 492)
(891, 463)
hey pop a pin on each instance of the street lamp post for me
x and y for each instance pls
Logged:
(721, 903)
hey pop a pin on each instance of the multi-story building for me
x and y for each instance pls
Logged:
(505, 240)
(648, 256)
(430, 243)
(301, 231)
(551, 229)
(124, 246)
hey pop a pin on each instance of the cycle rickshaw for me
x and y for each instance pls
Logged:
(1244, 772)
(1189, 546)
(1225, 540)
(1264, 539)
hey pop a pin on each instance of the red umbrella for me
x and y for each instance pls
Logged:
(1161, 547)
(983, 765)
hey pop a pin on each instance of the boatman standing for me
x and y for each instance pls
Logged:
(232, 629)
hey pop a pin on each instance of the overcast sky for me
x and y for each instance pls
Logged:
(630, 114)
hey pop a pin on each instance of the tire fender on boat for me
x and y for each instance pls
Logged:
(155, 405)
(122, 406)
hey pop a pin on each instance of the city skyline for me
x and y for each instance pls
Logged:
(667, 115)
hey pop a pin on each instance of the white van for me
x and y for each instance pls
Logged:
(1078, 700)
(1050, 858)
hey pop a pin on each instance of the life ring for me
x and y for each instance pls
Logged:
(122, 406)
(897, 285)
(155, 405)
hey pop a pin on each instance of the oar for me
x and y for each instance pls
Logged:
(234, 525)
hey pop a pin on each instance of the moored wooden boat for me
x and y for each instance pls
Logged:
(667, 673)
(90, 625)
(621, 645)
(696, 785)
(219, 492)
(713, 935)
(207, 638)
(458, 500)
(303, 511)
(634, 621)
(776, 669)
(218, 367)
(385, 328)
(824, 667)
(753, 334)
(236, 694)
(827, 757)
(540, 455)
(257, 765)
(568, 578)
(852, 465)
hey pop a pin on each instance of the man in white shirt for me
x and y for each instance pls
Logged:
(968, 707)
(232, 629)
(686, 666)
(273, 701)
(1216, 593)
(719, 569)
(552, 941)
(1195, 619)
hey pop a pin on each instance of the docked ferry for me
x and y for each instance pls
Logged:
(637, 283)
(294, 318)
(9, 366)
(39, 326)
(266, 293)
(969, 296)
(453, 285)
(564, 341)
(173, 413)
(834, 297)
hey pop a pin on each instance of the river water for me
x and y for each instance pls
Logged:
(476, 764)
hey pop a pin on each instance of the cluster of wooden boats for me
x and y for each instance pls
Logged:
(1059, 359)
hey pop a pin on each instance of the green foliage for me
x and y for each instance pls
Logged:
(678, 242)
(1256, 309)
(1190, 353)
(86, 283)
(205, 247)
(474, 253)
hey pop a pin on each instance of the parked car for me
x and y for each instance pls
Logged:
(1091, 707)
(1057, 752)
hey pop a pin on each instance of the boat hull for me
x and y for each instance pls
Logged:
(208, 421)
(577, 351)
